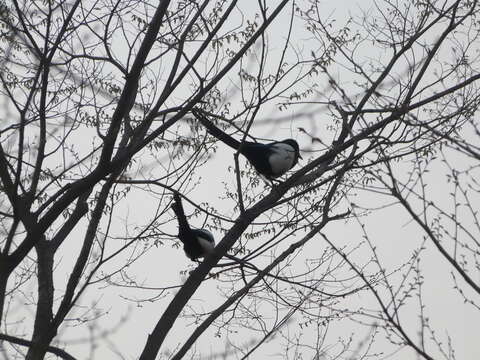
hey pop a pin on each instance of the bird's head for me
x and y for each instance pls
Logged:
(207, 235)
(293, 143)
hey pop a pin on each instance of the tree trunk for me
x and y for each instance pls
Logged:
(4, 275)
(43, 331)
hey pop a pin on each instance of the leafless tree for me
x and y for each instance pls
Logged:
(97, 117)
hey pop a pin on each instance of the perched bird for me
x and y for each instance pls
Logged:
(271, 160)
(197, 243)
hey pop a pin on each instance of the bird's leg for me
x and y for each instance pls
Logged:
(266, 181)
(276, 182)
(272, 182)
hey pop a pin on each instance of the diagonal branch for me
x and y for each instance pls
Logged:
(51, 349)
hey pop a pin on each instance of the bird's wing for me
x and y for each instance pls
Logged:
(282, 158)
(205, 234)
(215, 131)
(205, 240)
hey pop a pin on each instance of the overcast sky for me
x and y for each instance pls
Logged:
(131, 316)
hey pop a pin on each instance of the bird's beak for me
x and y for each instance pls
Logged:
(300, 156)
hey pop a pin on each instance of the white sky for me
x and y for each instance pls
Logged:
(394, 235)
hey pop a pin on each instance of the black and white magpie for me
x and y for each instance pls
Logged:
(271, 160)
(197, 243)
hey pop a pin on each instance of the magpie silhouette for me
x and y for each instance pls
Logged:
(271, 160)
(197, 243)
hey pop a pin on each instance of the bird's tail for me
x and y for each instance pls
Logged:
(215, 131)
(178, 209)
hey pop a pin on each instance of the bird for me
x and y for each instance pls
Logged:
(271, 160)
(197, 243)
